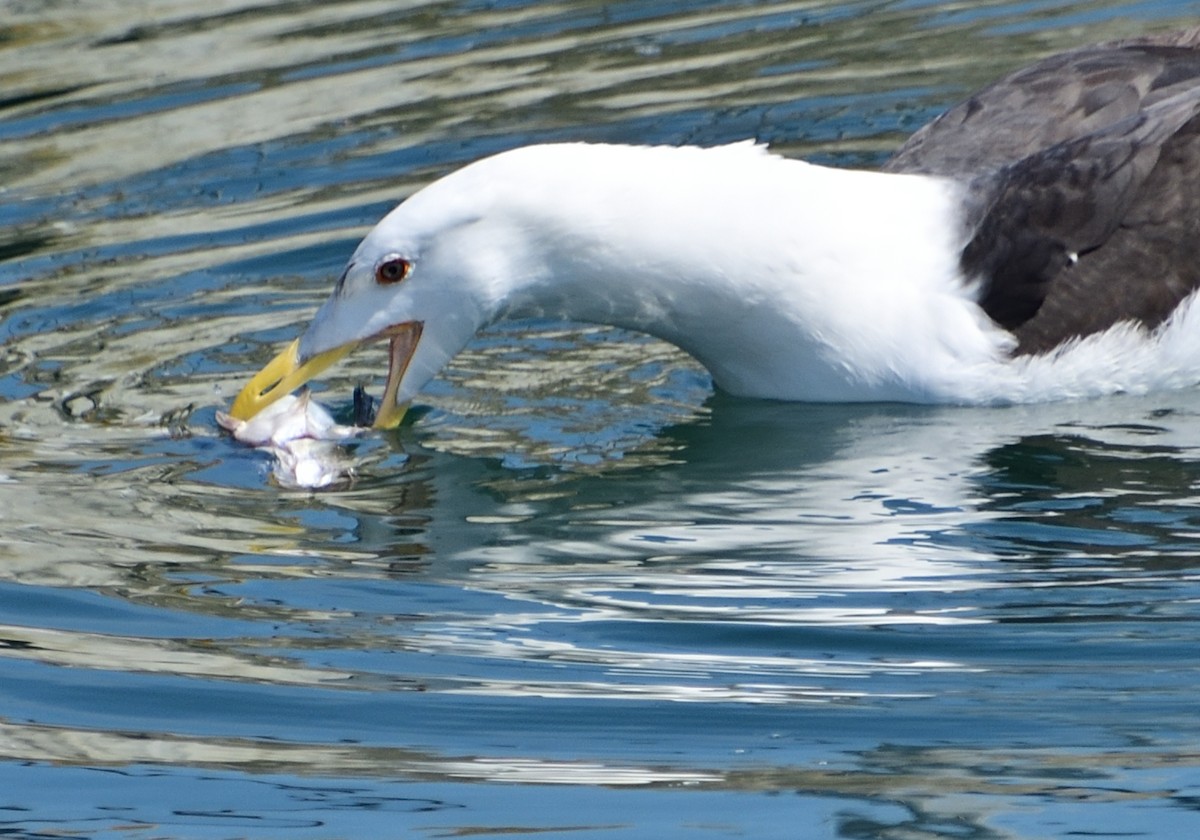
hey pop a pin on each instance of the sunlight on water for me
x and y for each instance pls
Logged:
(579, 593)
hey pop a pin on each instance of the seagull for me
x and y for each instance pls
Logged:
(1037, 242)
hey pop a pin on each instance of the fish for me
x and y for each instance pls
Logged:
(304, 439)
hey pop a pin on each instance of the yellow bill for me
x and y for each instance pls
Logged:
(284, 374)
(401, 347)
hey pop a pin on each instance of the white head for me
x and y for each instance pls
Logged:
(427, 277)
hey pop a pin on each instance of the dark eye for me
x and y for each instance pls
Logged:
(392, 270)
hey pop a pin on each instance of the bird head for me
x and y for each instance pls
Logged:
(424, 279)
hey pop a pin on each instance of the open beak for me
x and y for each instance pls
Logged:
(285, 373)
(402, 344)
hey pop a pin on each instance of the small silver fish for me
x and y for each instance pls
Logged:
(301, 435)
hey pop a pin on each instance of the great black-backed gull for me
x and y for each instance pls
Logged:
(1038, 241)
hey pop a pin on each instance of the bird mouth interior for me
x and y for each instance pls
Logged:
(402, 344)
(284, 374)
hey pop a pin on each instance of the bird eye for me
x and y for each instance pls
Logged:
(392, 270)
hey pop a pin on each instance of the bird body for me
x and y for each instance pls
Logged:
(1041, 262)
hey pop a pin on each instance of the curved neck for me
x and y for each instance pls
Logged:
(784, 279)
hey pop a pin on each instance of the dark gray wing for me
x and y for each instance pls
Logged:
(1057, 99)
(1092, 231)
(1084, 175)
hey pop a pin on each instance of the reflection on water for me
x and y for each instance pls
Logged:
(578, 567)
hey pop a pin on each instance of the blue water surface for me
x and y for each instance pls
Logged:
(580, 594)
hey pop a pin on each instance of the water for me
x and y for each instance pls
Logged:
(580, 596)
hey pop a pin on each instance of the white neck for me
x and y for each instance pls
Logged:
(784, 279)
